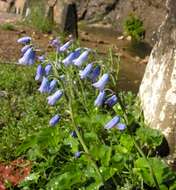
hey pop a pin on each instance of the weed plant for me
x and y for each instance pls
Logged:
(22, 109)
(7, 26)
(37, 18)
(134, 27)
(96, 137)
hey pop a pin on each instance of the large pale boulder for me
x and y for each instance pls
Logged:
(4, 6)
(158, 88)
(21, 6)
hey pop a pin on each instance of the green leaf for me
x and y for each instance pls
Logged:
(160, 170)
(126, 141)
(66, 180)
(31, 142)
(102, 153)
(152, 137)
(32, 178)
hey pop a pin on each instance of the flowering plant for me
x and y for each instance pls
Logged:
(95, 138)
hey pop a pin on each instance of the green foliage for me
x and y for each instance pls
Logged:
(23, 111)
(161, 171)
(37, 18)
(133, 27)
(7, 26)
(109, 159)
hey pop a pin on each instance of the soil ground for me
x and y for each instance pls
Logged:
(101, 40)
(133, 60)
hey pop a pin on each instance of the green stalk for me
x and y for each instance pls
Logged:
(150, 167)
(84, 145)
(81, 140)
(83, 95)
(138, 148)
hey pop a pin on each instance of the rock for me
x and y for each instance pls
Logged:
(120, 37)
(137, 59)
(115, 12)
(129, 38)
(21, 6)
(145, 60)
(158, 88)
(4, 6)
(69, 19)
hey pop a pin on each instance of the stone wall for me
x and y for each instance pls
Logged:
(20, 7)
(113, 13)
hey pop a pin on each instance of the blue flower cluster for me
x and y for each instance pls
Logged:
(28, 52)
(77, 57)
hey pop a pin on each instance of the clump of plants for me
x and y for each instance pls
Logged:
(96, 137)
(7, 26)
(133, 26)
(37, 18)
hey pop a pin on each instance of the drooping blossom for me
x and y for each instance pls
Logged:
(95, 73)
(44, 87)
(102, 82)
(39, 73)
(73, 134)
(55, 97)
(56, 43)
(52, 85)
(65, 46)
(72, 56)
(41, 58)
(100, 99)
(77, 154)
(87, 70)
(28, 57)
(24, 40)
(121, 126)
(25, 48)
(48, 69)
(81, 59)
(111, 101)
(112, 123)
(54, 120)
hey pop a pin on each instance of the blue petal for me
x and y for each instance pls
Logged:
(102, 82)
(112, 123)
(25, 48)
(121, 126)
(48, 69)
(77, 154)
(111, 101)
(44, 87)
(95, 73)
(24, 40)
(39, 73)
(54, 120)
(52, 85)
(41, 58)
(87, 70)
(73, 134)
(55, 97)
(72, 56)
(65, 46)
(100, 99)
(28, 57)
(56, 43)
(81, 59)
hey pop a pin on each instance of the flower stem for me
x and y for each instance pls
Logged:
(150, 166)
